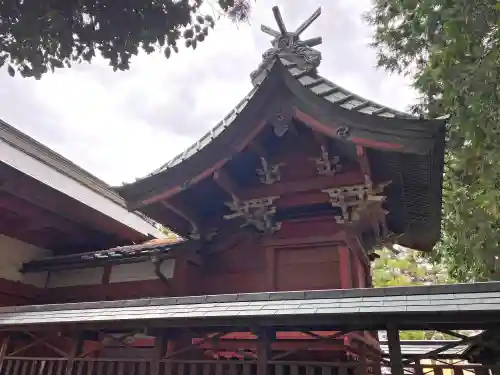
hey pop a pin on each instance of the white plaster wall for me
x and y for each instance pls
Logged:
(78, 277)
(140, 271)
(13, 253)
(59, 181)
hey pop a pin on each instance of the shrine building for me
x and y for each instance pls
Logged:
(279, 209)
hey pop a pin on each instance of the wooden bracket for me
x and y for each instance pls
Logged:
(269, 174)
(256, 212)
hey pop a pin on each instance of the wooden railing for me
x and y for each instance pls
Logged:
(99, 366)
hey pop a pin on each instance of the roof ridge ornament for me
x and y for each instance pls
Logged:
(287, 46)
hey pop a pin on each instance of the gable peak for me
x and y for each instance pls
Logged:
(288, 46)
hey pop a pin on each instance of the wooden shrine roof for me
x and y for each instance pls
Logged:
(369, 124)
(50, 202)
(319, 85)
(461, 306)
(289, 93)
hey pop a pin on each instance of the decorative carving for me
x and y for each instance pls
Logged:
(327, 165)
(269, 174)
(256, 212)
(288, 46)
(280, 125)
(351, 200)
(343, 132)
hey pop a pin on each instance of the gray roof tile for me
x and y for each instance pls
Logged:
(316, 83)
(409, 300)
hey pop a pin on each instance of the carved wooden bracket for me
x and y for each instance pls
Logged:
(327, 165)
(269, 174)
(256, 212)
(353, 199)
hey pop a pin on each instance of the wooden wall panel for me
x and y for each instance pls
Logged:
(307, 268)
(245, 256)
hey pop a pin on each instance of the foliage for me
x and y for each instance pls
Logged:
(451, 49)
(407, 267)
(169, 234)
(41, 35)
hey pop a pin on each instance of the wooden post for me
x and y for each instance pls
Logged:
(264, 338)
(76, 348)
(395, 355)
(377, 366)
(363, 360)
(4, 350)
(159, 352)
(419, 370)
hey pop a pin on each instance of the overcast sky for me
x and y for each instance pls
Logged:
(123, 125)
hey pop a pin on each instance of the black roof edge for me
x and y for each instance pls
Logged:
(129, 254)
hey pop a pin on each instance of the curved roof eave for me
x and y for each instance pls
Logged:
(383, 121)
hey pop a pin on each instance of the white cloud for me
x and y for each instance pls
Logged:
(123, 125)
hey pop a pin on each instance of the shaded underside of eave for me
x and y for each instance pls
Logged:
(42, 153)
(279, 92)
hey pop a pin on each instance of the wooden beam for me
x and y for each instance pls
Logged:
(315, 183)
(226, 183)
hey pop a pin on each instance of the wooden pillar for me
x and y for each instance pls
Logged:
(264, 339)
(159, 352)
(395, 355)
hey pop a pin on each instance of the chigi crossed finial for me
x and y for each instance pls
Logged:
(284, 38)
(289, 48)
